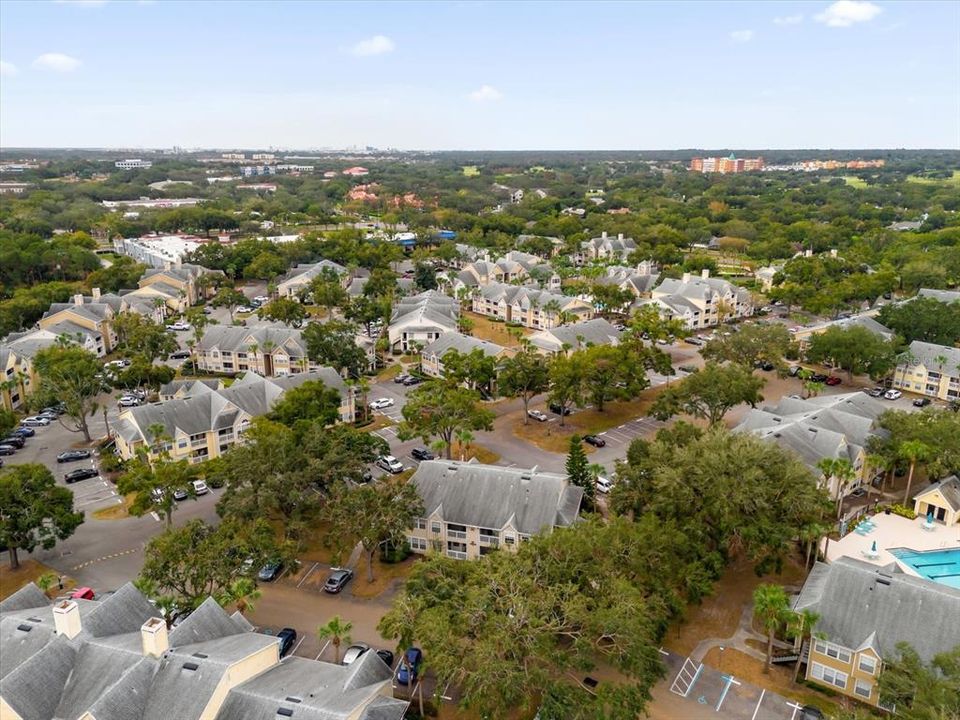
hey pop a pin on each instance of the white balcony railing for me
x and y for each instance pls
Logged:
(456, 534)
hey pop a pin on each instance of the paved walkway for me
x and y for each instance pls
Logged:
(739, 638)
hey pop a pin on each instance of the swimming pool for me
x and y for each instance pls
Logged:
(942, 566)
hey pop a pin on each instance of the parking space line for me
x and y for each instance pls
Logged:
(325, 646)
(297, 646)
(763, 691)
(307, 574)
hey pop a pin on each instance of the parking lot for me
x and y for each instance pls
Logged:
(626, 433)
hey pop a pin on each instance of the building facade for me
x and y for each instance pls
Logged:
(527, 306)
(419, 320)
(931, 370)
(701, 301)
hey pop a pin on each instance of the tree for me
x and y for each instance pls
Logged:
(710, 393)
(524, 375)
(771, 607)
(140, 373)
(922, 691)
(285, 310)
(230, 298)
(142, 336)
(34, 510)
(69, 374)
(934, 427)
(367, 310)
(241, 593)
(840, 470)
(913, 451)
(925, 319)
(578, 471)
(855, 349)
(425, 276)
(749, 345)
(609, 299)
(439, 409)
(800, 627)
(333, 343)
(186, 565)
(153, 485)
(8, 421)
(327, 292)
(475, 369)
(337, 631)
(611, 373)
(567, 386)
(307, 402)
(373, 515)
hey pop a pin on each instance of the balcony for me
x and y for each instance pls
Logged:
(202, 442)
(489, 540)
(456, 555)
(456, 535)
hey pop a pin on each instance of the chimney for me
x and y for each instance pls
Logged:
(619, 236)
(705, 273)
(78, 299)
(66, 618)
(96, 294)
(686, 277)
(153, 636)
(604, 235)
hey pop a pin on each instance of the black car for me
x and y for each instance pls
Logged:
(921, 402)
(72, 455)
(412, 380)
(79, 474)
(818, 378)
(421, 453)
(401, 378)
(287, 637)
(338, 579)
(7, 449)
(594, 440)
(23, 431)
(766, 365)
(180, 355)
(809, 712)
(270, 571)
(559, 409)
(15, 440)
(54, 410)
(386, 656)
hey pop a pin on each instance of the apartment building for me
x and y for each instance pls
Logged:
(639, 280)
(135, 164)
(115, 659)
(515, 267)
(940, 501)
(929, 369)
(158, 251)
(725, 165)
(864, 612)
(527, 306)
(606, 247)
(829, 426)
(804, 335)
(204, 422)
(432, 355)
(85, 320)
(17, 377)
(267, 349)
(765, 276)
(701, 301)
(944, 296)
(298, 278)
(472, 509)
(419, 320)
(576, 336)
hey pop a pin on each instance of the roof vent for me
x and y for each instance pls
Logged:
(34, 619)
(776, 435)
(881, 580)
(190, 666)
(292, 699)
(24, 627)
(201, 656)
(285, 712)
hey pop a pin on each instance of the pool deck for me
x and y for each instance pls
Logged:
(891, 532)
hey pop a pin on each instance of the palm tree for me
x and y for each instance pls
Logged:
(845, 474)
(913, 451)
(770, 606)
(464, 438)
(46, 581)
(811, 388)
(801, 629)
(242, 592)
(337, 631)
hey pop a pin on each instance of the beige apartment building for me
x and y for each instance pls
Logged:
(865, 611)
(472, 509)
(85, 320)
(269, 350)
(529, 307)
(931, 370)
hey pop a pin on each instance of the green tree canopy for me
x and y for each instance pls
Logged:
(308, 402)
(578, 471)
(854, 349)
(333, 343)
(710, 393)
(70, 375)
(439, 409)
(285, 310)
(925, 319)
(524, 375)
(750, 343)
(922, 691)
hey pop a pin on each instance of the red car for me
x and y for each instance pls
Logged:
(833, 380)
(83, 593)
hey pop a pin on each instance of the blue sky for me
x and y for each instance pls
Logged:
(486, 75)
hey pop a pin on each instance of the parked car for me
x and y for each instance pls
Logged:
(833, 380)
(287, 637)
(270, 571)
(179, 326)
(244, 309)
(559, 409)
(412, 380)
(180, 355)
(116, 364)
(876, 392)
(921, 402)
(381, 403)
(72, 456)
(130, 401)
(794, 370)
(18, 441)
(818, 377)
(390, 464)
(354, 652)
(400, 378)
(858, 492)
(421, 453)
(35, 421)
(51, 416)
(200, 487)
(809, 712)
(23, 431)
(603, 484)
(694, 341)
(7, 449)
(180, 494)
(338, 579)
(261, 299)
(893, 394)
(538, 415)
(409, 668)
(594, 440)
(83, 593)
(79, 474)
(59, 409)
(690, 369)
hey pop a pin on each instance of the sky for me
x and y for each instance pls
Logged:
(480, 75)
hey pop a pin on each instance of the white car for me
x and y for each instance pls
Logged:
(604, 484)
(35, 421)
(261, 299)
(179, 326)
(381, 403)
(244, 309)
(130, 401)
(390, 464)
(538, 415)
(893, 394)
(200, 487)
(117, 364)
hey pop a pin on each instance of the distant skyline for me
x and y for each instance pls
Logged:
(480, 76)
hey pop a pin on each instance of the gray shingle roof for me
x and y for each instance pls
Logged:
(20, 644)
(462, 344)
(33, 689)
(233, 338)
(926, 354)
(856, 599)
(123, 612)
(526, 296)
(700, 288)
(96, 670)
(491, 496)
(126, 699)
(207, 622)
(306, 273)
(946, 296)
(948, 487)
(576, 335)
(29, 596)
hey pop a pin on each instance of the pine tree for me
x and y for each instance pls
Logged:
(578, 471)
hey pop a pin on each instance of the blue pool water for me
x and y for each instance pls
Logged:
(942, 566)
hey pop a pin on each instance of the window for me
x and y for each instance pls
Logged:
(831, 650)
(435, 527)
(868, 664)
(417, 544)
(863, 688)
(420, 524)
(509, 539)
(829, 675)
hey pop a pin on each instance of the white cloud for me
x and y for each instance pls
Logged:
(788, 20)
(58, 62)
(7, 69)
(485, 93)
(741, 36)
(82, 3)
(377, 45)
(845, 13)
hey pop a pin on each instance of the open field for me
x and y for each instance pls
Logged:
(854, 181)
(496, 332)
(29, 571)
(953, 180)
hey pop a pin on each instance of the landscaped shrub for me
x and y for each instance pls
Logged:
(903, 511)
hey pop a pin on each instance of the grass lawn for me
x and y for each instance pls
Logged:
(854, 181)
(116, 512)
(379, 421)
(389, 372)
(475, 452)
(952, 180)
(384, 575)
(552, 437)
(496, 332)
(29, 571)
(470, 171)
